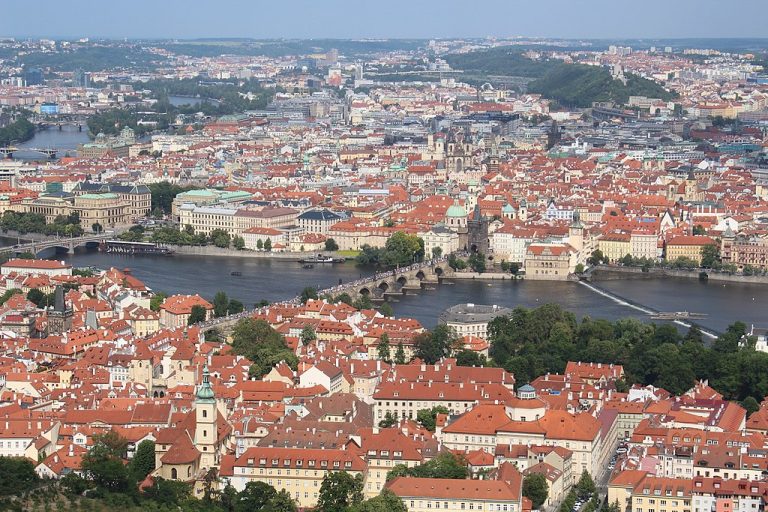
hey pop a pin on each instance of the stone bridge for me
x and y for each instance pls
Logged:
(393, 282)
(64, 244)
(378, 287)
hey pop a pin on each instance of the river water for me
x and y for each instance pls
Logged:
(275, 280)
(65, 140)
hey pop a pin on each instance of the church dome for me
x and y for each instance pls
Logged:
(456, 210)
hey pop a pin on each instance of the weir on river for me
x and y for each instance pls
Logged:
(645, 309)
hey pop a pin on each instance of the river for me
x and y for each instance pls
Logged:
(275, 280)
(65, 141)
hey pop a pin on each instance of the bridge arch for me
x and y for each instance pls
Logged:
(420, 275)
(383, 286)
(402, 281)
(364, 291)
(438, 271)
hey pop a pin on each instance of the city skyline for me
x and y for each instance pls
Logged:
(576, 19)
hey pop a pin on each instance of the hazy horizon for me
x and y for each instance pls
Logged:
(395, 19)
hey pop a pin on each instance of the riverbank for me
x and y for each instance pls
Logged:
(628, 273)
(212, 250)
(485, 276)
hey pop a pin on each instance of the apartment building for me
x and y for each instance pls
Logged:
(428, 494)
(299, 472)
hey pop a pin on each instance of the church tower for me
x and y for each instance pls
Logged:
(206, 415)
(522, 212)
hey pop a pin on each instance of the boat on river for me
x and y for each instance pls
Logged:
(321, 259)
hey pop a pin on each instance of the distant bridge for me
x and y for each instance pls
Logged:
(377, 287)
(66, 244)
(8, 151)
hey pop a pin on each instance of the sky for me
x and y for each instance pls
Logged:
(188, 19)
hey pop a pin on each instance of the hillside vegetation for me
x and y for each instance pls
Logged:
(571, 85)
(576, 85)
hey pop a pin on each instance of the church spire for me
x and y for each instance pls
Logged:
(205, 391)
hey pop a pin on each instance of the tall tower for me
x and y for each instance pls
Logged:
(60, 317)
(576, 232)
(206, 415)
(477, 233)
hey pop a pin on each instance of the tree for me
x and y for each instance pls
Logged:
(456, 263)
(339, 491)
(751, 405)
(344, 298)
(402, 249)
(437, 251)
(17, 475)
(36, 297)
(710, 256)
(386, 309)
(698, 229)
(220, 238)
(238, 243)
(157, 300)
(259, 342)
(235, 307)
(433, 346)
(627, 260)
(170, 493)
(470, 358)
(259, 244)
(268, 245)
(400, 354)
(387, 501)
(579, 268)
(427, 418)
(388, 421)
(260, 496)
(445, 465)
(363, 302)
(383, 349)
(331, 245)
(514, 268)
(585, 486)
(597, 257)
(536, 489)
(74, 484)
(281, 502)
(96, 227)
(476, 262)
(307, 335)
(198, 314)
(220, 304)
(104, 462)
(308, 293)
(143, 462)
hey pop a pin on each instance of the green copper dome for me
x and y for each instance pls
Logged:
(205, 391)
(456, 210)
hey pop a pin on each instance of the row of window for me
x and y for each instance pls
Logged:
(499, 507)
